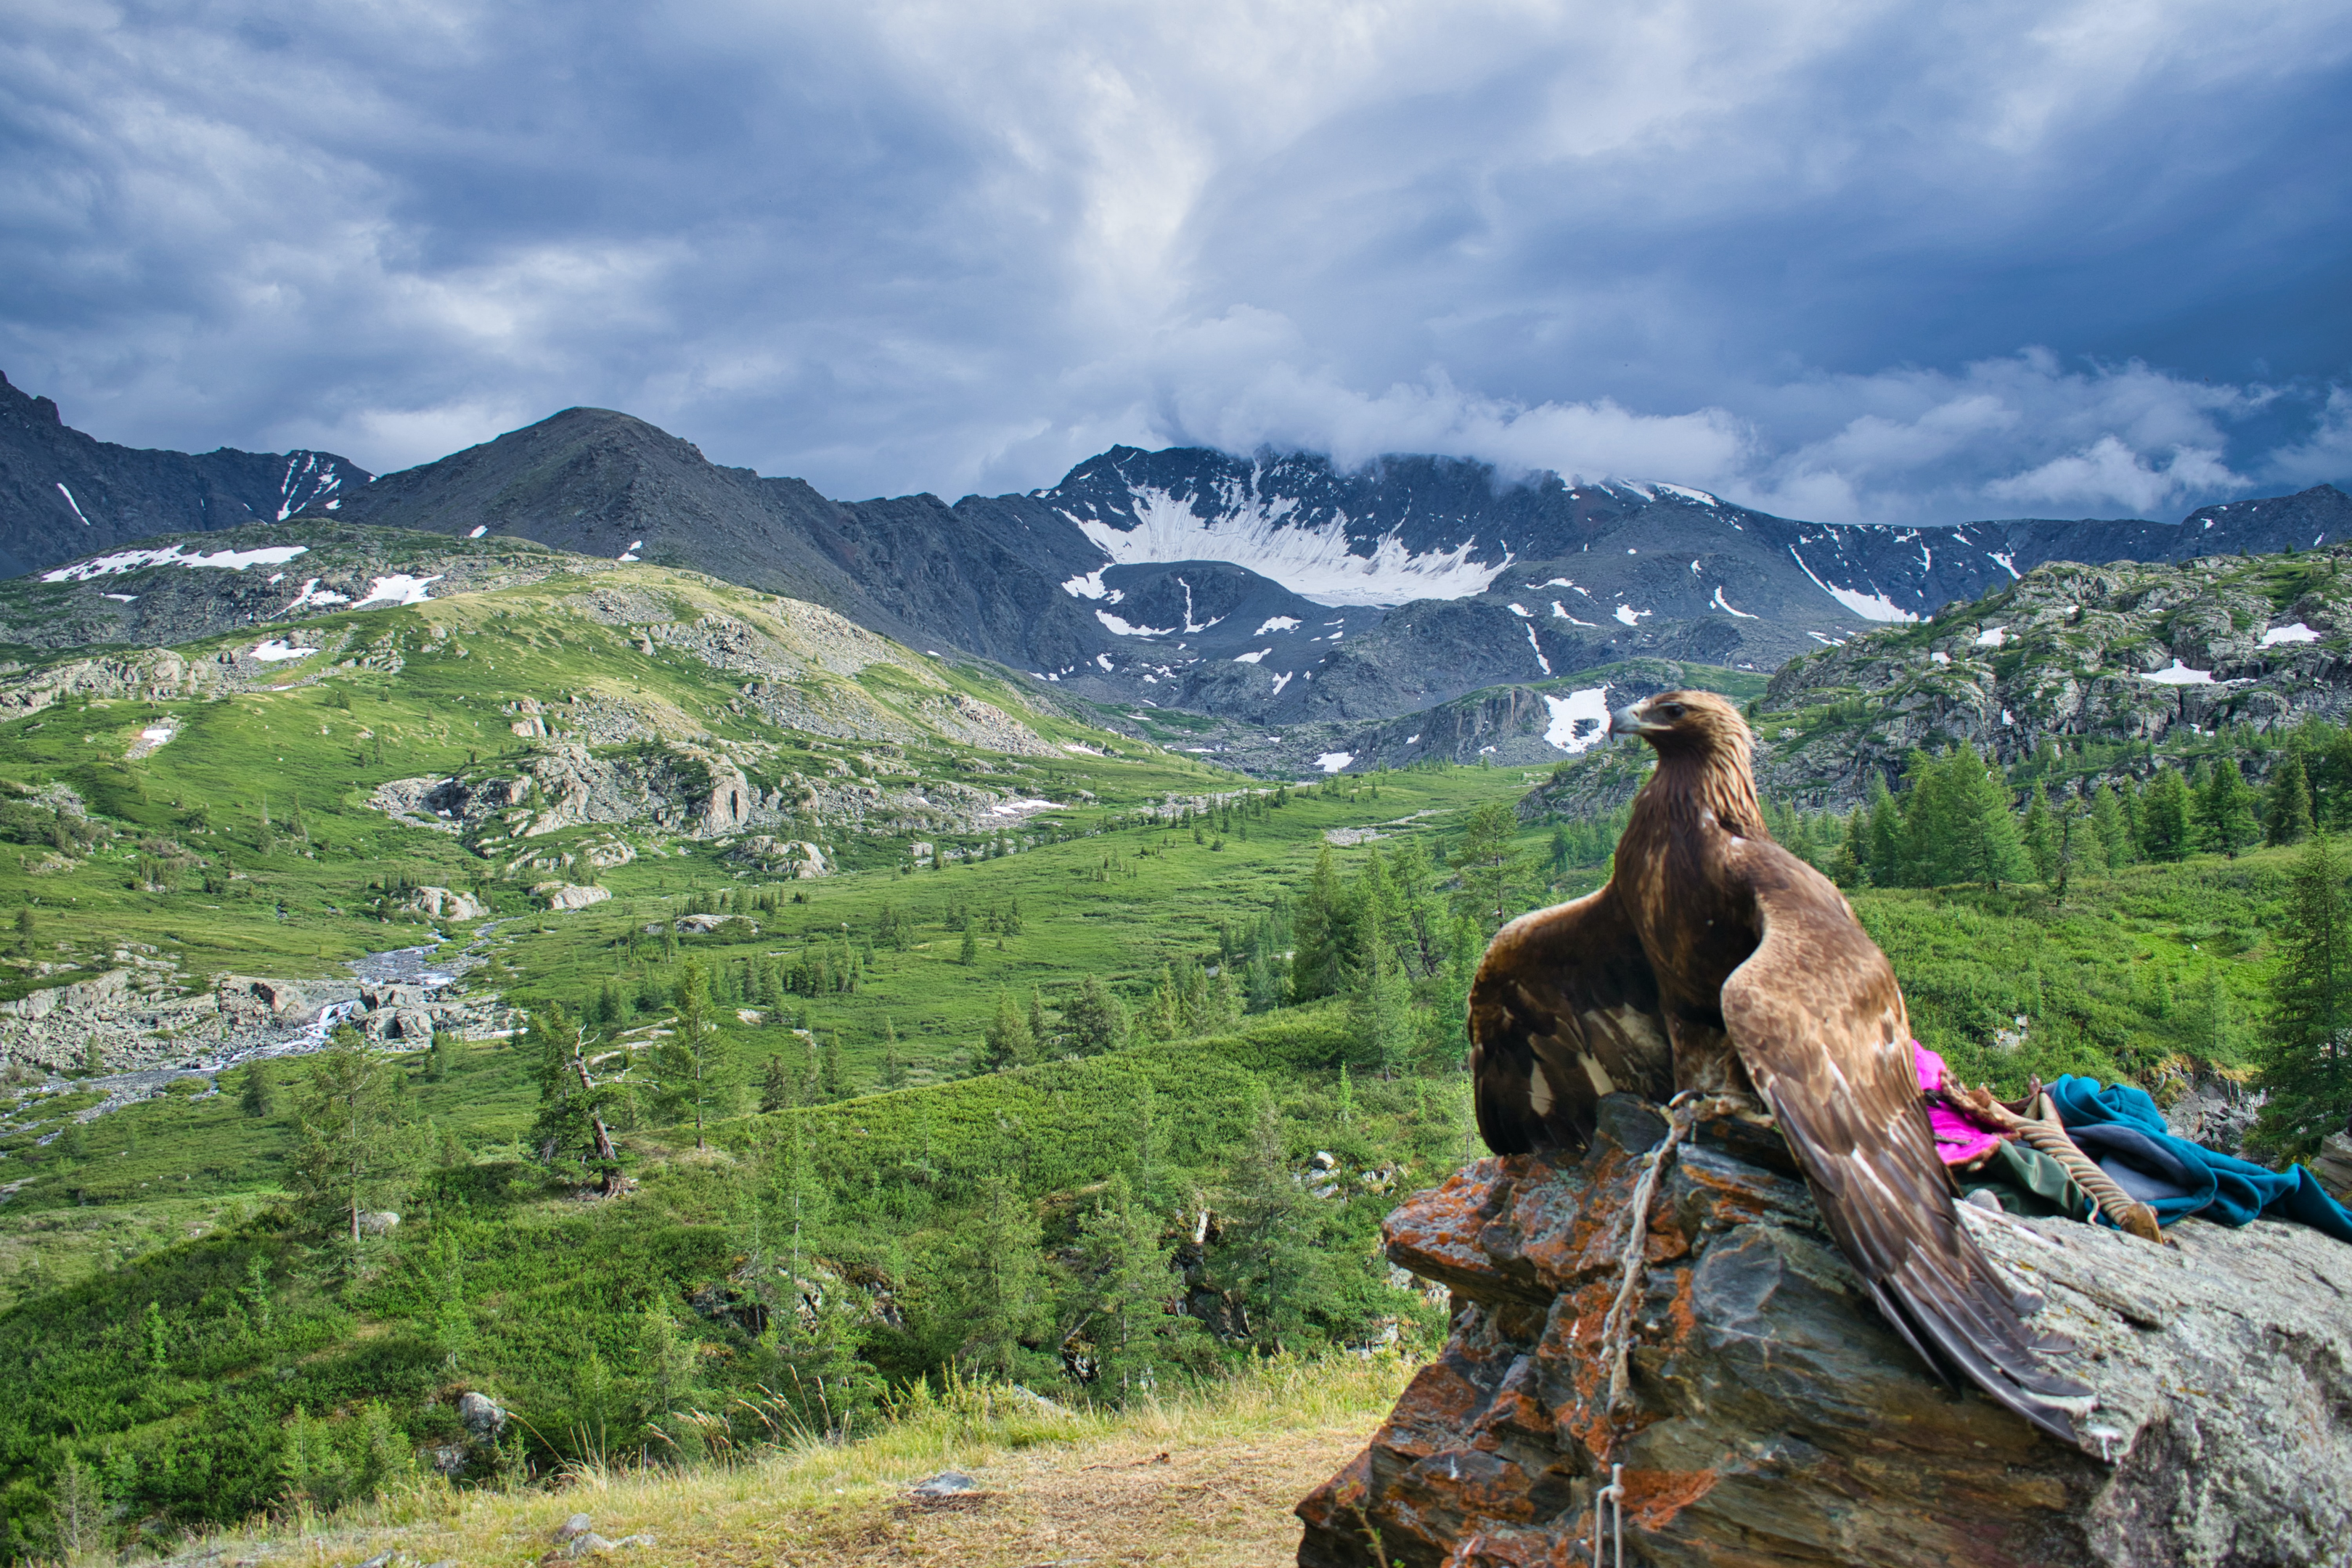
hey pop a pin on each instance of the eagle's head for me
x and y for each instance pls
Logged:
(1685, 723)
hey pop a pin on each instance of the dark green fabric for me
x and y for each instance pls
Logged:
(2027, 1181)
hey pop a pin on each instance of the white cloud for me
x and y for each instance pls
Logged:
(1785, 252)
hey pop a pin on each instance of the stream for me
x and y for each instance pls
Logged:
(430, 966)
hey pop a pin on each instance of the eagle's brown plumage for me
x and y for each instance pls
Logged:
(1715, 960)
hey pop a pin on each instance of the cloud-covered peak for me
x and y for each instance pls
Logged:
(1854, 262)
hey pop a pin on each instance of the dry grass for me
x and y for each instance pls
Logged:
(1206, 1479)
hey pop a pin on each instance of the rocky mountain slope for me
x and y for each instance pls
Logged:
(1269, 591)
(2141, 652)
(2117, 660)
(65, 494)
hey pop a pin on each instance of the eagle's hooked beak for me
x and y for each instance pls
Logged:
(1627, 720)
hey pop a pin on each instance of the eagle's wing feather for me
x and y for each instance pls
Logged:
(1819, 1022)
(1564, 1010)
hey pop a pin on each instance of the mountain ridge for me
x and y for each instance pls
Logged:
(1272, 590)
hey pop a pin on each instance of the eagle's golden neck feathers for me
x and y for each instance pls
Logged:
(1705, 757)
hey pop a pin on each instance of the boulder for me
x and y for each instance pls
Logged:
(795, 858)
(378, 1222)
(570, 896)
(483, 1416)
(703, 925)
(2332, 1165)
(1776, 1419)
(443, 904)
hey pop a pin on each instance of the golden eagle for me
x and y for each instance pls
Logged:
(1714, 960)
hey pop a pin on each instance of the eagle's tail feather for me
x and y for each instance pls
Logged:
(1978, 1343)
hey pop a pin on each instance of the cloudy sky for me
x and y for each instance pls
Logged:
(1846, 261)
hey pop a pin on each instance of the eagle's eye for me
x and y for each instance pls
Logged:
(1672, 710)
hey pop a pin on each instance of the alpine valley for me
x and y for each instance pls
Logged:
(576, 970)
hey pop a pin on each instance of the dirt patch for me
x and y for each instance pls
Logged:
(1219, 1504)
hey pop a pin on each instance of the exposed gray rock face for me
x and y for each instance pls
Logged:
(441, 904)
(1778, 1421)
(483, 1417)
(794, 857)
(2124, 652)
(571, 895)
(63, 493)
(2216, 1113)
(174, 588)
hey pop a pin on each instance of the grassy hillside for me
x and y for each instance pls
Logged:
(869, 1215)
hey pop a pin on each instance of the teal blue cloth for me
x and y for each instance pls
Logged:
(2198, 1181)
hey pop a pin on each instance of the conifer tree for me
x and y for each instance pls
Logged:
(1318, 934)
(2110, 836)
(1007, 1044)
(1126, 1284)
(2215, 1027)
(968, 951)
(693, 1059)
(1380, 1009)
(893, 1065)
(2306, 1062)
(1268, 1245)
(1960, 823)
(835, 1081)
(1095, 1019)
(2040, 838)
(353, 1147)
(777, 1089)
(577, 1111)
(1002, 1277)
(2286, 806)
(2333, 797)
(2225, 809)
(1887, 862)
(1494, 874)
(1163, 1015)
(2164, 818)
(1850, 868)
(257, 1095)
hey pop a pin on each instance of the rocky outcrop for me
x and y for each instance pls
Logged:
(570, 895)
(794, 857)
(2121, 652)
(1777, 1420)
(441, 904)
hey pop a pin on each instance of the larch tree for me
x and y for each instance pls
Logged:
(2225, 809)
(2286, 804)
(352, 1145)
(693, 1059)
(2307, 1061)
(1494, 872)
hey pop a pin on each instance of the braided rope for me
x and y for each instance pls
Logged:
(2044, 1131)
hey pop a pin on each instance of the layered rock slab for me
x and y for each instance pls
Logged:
(1778, 1421)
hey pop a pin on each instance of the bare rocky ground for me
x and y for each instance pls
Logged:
(146, 1024)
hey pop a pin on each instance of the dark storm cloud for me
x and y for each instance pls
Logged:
(1846, 261)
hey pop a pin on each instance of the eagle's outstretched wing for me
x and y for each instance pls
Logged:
(1819, 1022)
(1564, 1010)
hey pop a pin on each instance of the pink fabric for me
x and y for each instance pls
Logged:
(1958, 1139)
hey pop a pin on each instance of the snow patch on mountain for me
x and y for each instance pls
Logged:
(1579, 719)
(400, 588)
(1318, 564)
(122, 561)
(1869, 607)
(1126, 630)
(1277, 624)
